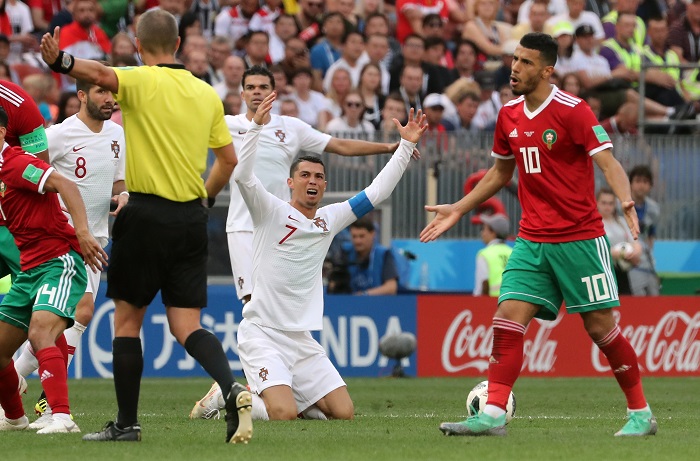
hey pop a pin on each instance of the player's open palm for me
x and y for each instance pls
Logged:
(631, 218)
(49, 46)
(93, 254)
(414, 128)
(264, 108)
(447, 216)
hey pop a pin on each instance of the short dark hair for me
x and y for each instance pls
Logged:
(157, 32)
(394, 96)
(259, 70)
(305, 158)
(543, 43)
(365, 223)
(3, 117)
(642, 171)
(83, 85)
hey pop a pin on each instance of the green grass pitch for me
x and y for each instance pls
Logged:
(396, 419)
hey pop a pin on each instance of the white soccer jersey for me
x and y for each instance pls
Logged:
(289, 248)
(279, 143)
(94, 161)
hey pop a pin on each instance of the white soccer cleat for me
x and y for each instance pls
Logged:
(60, 425)
(210, 406)
(42, 421)
(18, 424)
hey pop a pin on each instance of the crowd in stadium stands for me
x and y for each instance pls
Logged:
(449, 57)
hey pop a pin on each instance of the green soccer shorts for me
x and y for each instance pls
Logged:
(580, 273)
(9, 254)
(55, 286)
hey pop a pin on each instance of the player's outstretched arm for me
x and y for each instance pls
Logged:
(93, 254)
(448, 215)
(414, 128)
(244, 171)
(619, 182)
(81, 69)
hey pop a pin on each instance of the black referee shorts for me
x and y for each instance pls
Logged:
(158, 244)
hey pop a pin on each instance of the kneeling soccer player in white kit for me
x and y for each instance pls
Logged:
(89, 149)
(287, 370)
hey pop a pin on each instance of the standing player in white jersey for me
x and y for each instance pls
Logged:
(562, 254)
(287, 370)
(87, 148)
(280, 142)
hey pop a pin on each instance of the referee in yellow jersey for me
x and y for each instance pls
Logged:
(160, 237)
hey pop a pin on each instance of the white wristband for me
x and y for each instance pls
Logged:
(126, 192)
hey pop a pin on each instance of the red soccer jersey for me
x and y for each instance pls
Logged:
(552, 147)
(24, 118)
(34, 218)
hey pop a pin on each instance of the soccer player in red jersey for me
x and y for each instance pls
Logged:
(561, 253)
(42, 300)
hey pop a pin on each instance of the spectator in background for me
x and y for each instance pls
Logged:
(410, 14)
(394, 108)
(487, 113)
(84, 38)
(5, 71)
(309, 19)
(378, 24)
(264, 19)
(353, 48)
(371, 268)
(20, 18)
(218, 50)
(467, 105)
(377, 52)
(434, 27)
(206, 11)
(190, 25)
(341, 84)
(43, 12)
(282, 87)
(347, 9)
(285, 29)
(487, 33)
(196, 63)
(289, 108)
(537, 22)
(610, 21)
(257, 46)
(234, 22)
(313, 107)
(68, 105)
(577, 16)
(617, 231)
(122, 46)
(571, 83)
(192, 43)
(296, 56)
(491, 261)
(232, 103)
(684, 34)
(411, 87)
(465, 61)
(232, 70)
(502, 74)
(643, 278)
(554, 7)
(371, 91)
(329, 49)
(624, 122)
(44, 91)
(351, 123)
(63, 17)
(563, 32)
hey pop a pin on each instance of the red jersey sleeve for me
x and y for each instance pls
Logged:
(501, 146)
(588, 132)
(25, 171)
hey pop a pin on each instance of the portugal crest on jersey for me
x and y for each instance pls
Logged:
(549, 137)
(321, 223)
(115, 148)
(280, 135)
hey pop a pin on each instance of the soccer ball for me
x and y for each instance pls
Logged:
(623, 249)
(476, 401)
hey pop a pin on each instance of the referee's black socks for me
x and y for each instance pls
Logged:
(206, 349)
(127, 357)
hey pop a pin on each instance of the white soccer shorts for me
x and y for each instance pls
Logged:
(273, 357)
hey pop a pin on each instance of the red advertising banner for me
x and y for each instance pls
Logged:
(455, 336)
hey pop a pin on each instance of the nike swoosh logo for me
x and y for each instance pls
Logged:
(290, 217)
(242, 132)
(76, 148)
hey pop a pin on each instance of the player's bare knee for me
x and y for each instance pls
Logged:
(281, 412)
(346, 412)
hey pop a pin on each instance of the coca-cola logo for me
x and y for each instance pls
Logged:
(670, 345)
(468, 346)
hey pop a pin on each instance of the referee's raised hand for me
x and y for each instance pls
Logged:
(264, 108)
(49, 46)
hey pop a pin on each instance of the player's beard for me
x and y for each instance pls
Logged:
(526, 86)
(96, 113)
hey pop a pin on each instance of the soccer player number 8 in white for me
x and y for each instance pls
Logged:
(531, 159)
